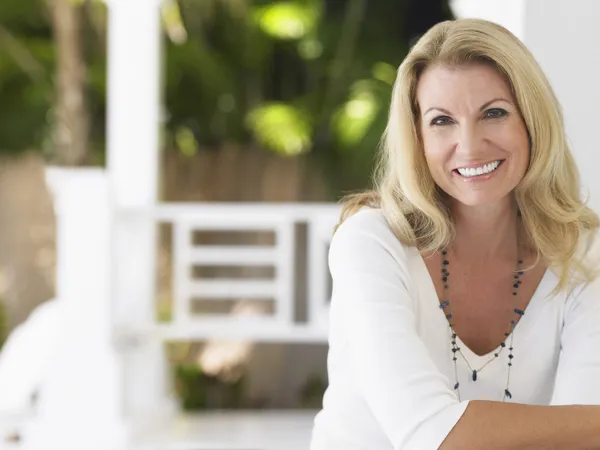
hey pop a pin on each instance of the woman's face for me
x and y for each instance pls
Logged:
(475, 141)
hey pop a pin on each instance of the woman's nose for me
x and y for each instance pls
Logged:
(470, 140)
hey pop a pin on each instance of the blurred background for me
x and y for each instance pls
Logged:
(169, 173)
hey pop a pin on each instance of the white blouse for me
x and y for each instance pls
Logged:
(391, 373)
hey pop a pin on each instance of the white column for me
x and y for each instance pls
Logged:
(80, 399)
(564, 37)
(134, 52)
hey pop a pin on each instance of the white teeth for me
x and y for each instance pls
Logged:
(474, 171)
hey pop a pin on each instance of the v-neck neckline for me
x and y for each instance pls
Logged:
(523, 326)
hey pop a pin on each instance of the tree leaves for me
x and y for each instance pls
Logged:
(281, 127)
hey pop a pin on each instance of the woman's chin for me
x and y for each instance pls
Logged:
(480, 198)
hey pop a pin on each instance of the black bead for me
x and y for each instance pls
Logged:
(444, 279)
(448, 316)
(509, 364)
(453, 335)
(446, 262)
(454, 359)
(521, 273)
(514, 293)
(520, 261)
(444, 252)
(507, 393)
(444, 304)
(510, 348)
(510, 356)
(516, 277)
(520, 312)
(496, 355)
(445, 286)
(503, 345)
(456, 386)
(474, 375)
(516, 285)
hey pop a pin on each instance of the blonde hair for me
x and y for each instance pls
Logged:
(548, 198)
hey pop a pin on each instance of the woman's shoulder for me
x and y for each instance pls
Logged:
(368, 232)
(366, 218)
(367, 223)
(365, 244)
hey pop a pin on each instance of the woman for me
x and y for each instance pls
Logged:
(465, 312)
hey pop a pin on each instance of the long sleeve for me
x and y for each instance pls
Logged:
(578, 375)
(390, 365)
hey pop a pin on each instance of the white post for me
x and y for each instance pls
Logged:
(563, 36)
(134, 52)
(80, 400)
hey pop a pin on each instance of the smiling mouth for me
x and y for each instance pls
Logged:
(484, 169)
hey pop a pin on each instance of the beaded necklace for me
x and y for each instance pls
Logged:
(456, 350)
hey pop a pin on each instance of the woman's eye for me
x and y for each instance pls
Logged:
(495, 113)
(441, 120)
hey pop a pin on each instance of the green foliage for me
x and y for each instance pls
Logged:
(288, 20)
(27, 74)
(199, 391)
(294, 76)
(281, 127)
(26, 64)
(312, 391)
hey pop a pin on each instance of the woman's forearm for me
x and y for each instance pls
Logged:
(494, 425)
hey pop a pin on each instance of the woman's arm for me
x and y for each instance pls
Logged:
(496, 425)
(372, 319)
(390, 366)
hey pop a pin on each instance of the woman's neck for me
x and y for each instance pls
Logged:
(484, 232)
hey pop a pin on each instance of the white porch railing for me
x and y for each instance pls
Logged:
(279, 219)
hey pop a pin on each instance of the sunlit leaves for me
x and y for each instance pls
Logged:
(186, 141)
(282, 128)
(288, 20)
(172, 21)
(353, 119)
(385, 72)
(310, 48)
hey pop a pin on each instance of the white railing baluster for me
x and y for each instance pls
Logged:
(285, 273)
(181, 278)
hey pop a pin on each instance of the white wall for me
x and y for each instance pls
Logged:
(564, 36)
(508, 13)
